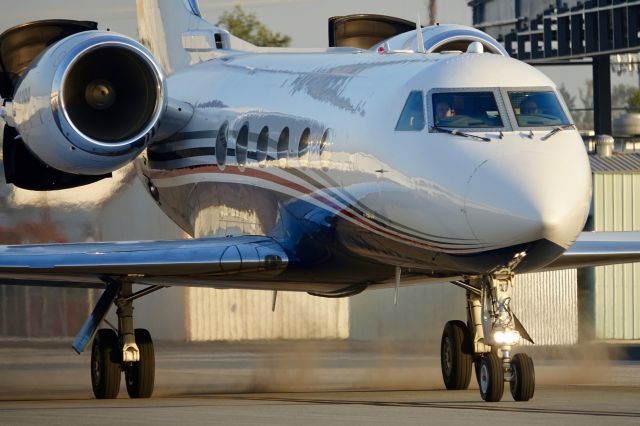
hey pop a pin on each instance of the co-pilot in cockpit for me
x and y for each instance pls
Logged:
(537, 109)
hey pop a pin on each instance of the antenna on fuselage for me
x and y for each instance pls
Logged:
(419, 38)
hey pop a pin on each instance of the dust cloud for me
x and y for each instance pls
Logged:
(53, 371)
(323, 366)
(309, 366)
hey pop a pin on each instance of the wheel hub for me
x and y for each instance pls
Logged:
(95, 371)
(484, 378)
(447, 356)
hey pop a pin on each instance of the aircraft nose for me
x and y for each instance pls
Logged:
(529, 197)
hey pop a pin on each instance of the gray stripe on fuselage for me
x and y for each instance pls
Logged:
(182, 159)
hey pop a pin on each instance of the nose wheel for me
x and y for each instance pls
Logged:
(523, 382)
(491, 378)
(455, 356)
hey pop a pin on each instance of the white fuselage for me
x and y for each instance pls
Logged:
(423, 189)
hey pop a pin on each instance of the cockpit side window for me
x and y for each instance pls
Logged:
(466, 110)
(412, 117)
(537, 109)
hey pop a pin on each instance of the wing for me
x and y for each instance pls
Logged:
(179, 262)
(205, 262)
(600, 248)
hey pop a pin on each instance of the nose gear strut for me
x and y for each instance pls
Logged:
(490, 333)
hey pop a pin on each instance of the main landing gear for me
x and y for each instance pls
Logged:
(485, 342)
(121, 349)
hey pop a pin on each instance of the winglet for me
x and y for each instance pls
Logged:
(419, 38)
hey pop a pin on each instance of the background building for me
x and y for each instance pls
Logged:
(614, 291)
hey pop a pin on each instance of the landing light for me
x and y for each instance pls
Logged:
(506, 337)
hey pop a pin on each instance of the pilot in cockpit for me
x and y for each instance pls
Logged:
(529, 107)
(444, 111)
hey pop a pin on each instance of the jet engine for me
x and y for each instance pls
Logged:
(82, 107)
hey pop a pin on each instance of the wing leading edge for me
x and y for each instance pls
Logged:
(181, 262)
(89, 264)
(599, 249)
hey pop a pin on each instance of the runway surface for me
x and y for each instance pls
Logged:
(310, 383)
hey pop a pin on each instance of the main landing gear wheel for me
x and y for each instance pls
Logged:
(105, 365)
(455, 356)
(140, 376)
(491, 378)
(524, 377)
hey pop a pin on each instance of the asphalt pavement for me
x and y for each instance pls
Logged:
(321, 382)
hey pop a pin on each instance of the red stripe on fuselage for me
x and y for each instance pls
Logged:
(259, 174)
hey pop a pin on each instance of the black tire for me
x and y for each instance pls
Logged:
(523, 384)
(491, 378)
(105, 365)
(456, 359)
(140, 376)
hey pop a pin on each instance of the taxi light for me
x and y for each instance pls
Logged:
(506, 337)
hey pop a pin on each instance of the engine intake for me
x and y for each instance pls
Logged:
(110, 94)
(89, 104)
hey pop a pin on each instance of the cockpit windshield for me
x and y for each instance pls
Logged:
(537, 109)
(466, 110)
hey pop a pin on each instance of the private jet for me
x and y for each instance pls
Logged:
(428, 155)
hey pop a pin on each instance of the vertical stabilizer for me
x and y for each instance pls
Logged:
(174, 31)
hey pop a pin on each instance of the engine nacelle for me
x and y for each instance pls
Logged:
(90, 103)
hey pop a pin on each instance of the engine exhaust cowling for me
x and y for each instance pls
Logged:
(90, 103)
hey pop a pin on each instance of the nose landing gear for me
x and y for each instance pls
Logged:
(486, 341)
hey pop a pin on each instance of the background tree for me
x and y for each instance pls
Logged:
(585, 121)
(577, 112)
(568, 99)
(247, 27)
(622, 95)
(633, 102)
(579, 116)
